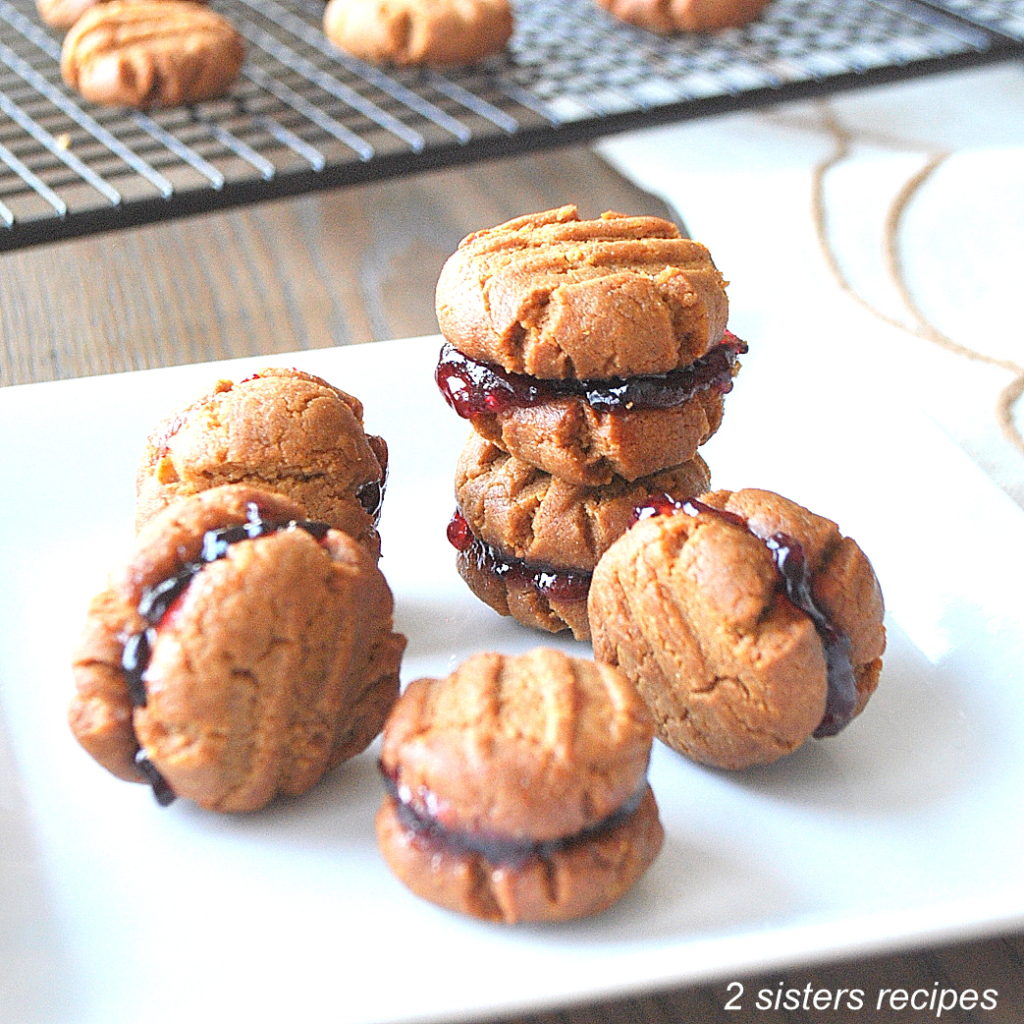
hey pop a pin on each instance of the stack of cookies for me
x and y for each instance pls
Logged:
(246, 645)
(592, 359)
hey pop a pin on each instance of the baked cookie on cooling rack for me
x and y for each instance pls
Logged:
(438, 33)
(668, 17)
(151, 53)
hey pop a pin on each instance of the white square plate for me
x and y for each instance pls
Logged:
(904, 829)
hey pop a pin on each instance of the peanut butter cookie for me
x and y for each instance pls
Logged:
(589, 348)
(241, 653)
(559, 297)
(414, 32)
(747, 622)
(517, 788)
(151, 53)
(528, 542)
(670, 16)
(280, 429)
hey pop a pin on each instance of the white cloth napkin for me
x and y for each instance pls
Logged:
(874, 240)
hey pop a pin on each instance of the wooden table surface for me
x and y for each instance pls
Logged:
(355, 266)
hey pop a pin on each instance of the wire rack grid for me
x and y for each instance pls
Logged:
(305, 116)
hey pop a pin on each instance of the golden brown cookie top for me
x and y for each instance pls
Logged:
(280, 429)
(728, 567)
(269, 660)
(555, 296)
(441, 33)
(534, 746)
(151, 53)
(674, 16)
(542, 519)
(64, 13)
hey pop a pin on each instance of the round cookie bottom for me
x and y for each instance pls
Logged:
(519, 599)
(579, 880)
(569, 439)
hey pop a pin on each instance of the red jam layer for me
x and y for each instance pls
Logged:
(157, 601)
(791, 564)
(497, 849)
(559, 584)
(371, 496)
(162, 792)
(473, 388)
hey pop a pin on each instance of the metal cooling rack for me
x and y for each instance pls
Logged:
(304, 116)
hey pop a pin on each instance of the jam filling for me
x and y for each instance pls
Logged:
(552, 582)
(157, 600)
(497, 849)
(473, 388)
(791, 564)
(164, 795)
(371, 496)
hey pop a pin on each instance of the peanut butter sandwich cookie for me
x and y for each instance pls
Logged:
(748, 623)
(668, 17)
(516, 788)
(528, 542)
(280, 429)
(242, 652)
(151, 53)
(419, 32)
(589, 348)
